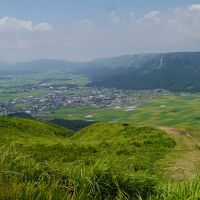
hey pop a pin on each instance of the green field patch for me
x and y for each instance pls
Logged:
(6, 97)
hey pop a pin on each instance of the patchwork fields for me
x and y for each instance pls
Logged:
(179, 111)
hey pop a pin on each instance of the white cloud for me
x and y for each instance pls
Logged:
(84, 24)
(174, 30)
(152, 15)
(11, 24)
(44, 26)
(114, 17)
(177, 29)
(184, 24)
(194, 7)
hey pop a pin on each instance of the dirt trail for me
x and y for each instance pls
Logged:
(184, 160)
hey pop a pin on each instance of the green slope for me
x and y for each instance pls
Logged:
(102, 161)
(124, 146)
(32, 127)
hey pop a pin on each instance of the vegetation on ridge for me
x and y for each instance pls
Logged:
(103, 161)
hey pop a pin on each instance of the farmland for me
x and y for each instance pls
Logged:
(176, 110)
(59, 95)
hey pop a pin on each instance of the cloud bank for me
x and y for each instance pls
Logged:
(11, 24)
(173, 30)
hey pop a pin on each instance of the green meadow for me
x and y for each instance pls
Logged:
(54, 77)
(179, 111)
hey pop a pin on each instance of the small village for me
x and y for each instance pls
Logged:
(57, 97)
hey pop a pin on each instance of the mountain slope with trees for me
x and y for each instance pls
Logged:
(171, 71)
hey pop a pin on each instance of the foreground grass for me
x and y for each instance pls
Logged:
(103, 161)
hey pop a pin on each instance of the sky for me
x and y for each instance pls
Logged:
(81, 30)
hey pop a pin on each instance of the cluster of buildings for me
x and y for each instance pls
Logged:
(64, 97)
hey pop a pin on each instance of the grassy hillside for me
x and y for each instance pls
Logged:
(39, 161)
(102, 161)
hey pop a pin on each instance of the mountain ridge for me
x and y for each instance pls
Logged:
(178, 71)
(92, 61)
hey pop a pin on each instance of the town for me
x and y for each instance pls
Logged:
(56, 97)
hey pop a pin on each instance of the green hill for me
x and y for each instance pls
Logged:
(14, 127)
(102, 161)
(170, 71)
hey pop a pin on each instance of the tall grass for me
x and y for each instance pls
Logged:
(103, 161)
(23, 178)
(187, 190)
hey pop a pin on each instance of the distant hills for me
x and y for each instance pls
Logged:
(171, 71)
(36, 66)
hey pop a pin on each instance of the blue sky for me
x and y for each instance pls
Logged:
(66, 11)
(88, 29)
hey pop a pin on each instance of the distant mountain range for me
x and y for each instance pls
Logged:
(36, 66)
(171, 71)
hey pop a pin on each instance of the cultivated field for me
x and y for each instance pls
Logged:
(179, 111)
